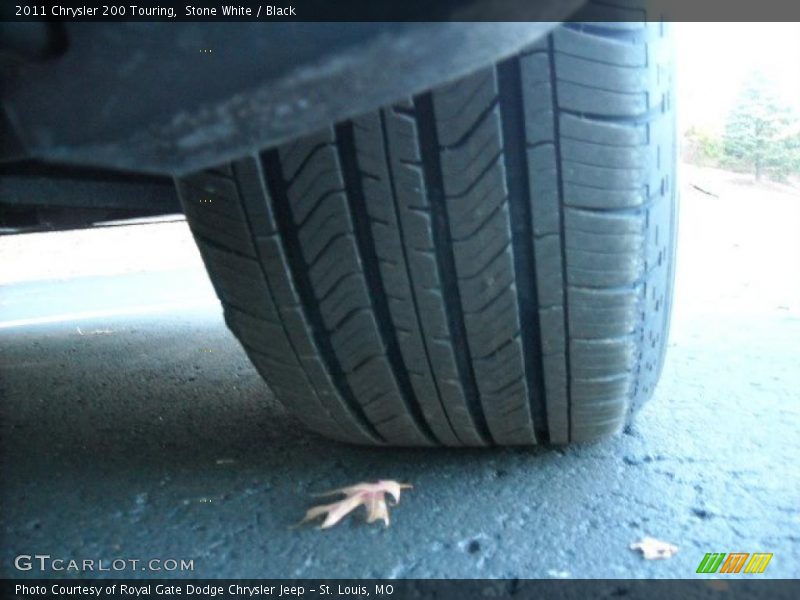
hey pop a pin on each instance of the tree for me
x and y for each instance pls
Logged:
(759, 134)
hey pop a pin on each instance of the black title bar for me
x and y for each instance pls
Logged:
(472, 589)
(393, 10)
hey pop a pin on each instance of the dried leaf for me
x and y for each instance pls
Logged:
(93, 332)
(371, 495)
(653, 549)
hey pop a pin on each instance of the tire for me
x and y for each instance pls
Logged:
(487, 263)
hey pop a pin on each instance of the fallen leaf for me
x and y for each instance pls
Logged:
(653, 549)
(94, 331)
(371, 495)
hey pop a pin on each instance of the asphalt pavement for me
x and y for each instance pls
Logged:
(132, 426)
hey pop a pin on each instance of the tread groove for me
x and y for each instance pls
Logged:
(413, 295)
(299, 273)
(561, 225)
(513, 127)
(443, 251)
(346, 149)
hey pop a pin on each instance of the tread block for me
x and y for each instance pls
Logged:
(595, 101)
(602, 357)
(582, 196)
(543, 181)
(599, 313)
(592, 73)
(459, 105)
(604, 155)
(611, 179)
(610, 133)
(473, 156)
(612, 51)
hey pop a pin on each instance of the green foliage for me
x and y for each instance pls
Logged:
(703, 148)
(759, 134)
(793, 148)
(762, 136)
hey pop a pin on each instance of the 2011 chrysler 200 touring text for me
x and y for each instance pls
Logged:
(421, 233)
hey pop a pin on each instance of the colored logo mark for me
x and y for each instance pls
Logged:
(735, 562)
